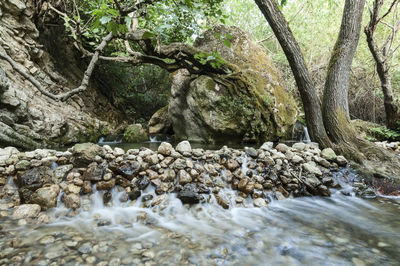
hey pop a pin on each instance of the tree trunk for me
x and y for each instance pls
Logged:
(335, 101)
(391, 110)
(382, 60)
(308, 93)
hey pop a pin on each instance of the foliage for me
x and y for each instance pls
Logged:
(383, 133)
(138, 91)
(169, 20)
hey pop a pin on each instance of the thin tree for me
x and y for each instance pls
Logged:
(383, 54)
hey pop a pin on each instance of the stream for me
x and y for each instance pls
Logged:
(340, 230)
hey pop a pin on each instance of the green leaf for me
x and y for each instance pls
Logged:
(148, 35)
(105, 19)
(227, 43)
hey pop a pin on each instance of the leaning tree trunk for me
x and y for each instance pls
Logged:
(335, 101)
(308, 93)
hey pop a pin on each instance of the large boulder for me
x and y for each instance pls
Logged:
(135, 133)
(254, 107)
(160, 122)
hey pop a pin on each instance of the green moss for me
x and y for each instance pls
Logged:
(135, 133)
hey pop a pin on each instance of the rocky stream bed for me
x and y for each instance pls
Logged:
(103, 206)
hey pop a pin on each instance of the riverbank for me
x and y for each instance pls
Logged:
(44, 179)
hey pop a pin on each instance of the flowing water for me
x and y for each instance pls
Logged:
(340, 230)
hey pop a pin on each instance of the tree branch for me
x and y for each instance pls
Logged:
(65, 96)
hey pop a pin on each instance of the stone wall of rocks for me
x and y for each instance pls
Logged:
(194, 175)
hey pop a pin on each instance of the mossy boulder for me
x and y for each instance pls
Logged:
(213, 108)
(160, 123)
(135, 133)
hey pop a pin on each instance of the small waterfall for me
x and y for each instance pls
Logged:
(306, 136)
(110, 140)
(153, 139)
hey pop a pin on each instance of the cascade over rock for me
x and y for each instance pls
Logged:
(29, 119)
(256, 108)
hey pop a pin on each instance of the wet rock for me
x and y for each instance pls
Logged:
(323, 191)
(222, 201)
(368, 193)
(189, 194)
(312, 181)
(38, 175)
(85, 153)
(312, 168)
(87, 187)
(122, 181)
(147, 197)
(152, 174)
(165, 148)
(127, 169)
(142, 183)
(328, 154)
(72, 201)
(184, 147)
(184, 177)
(46, 197)
(26, 211)
(251, 152)
(94, 172)
(260, 202)
(85, 248)
(158, 200)
(134, 194)
(105, 185)
(107, 197)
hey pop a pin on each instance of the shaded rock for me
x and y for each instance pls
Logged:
(341, 160)
(142, 183)
(189, 194)
(37, 175)
(94, 172)
(22, 165)
(26, 211)
(134, 194)
(107, 197)
(135, 133)
(160, 123)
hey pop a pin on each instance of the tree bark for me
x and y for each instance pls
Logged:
(381, 57)
(335, 101)
(308, 93)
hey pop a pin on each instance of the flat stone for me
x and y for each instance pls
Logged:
(259, 202)
(312, 168)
